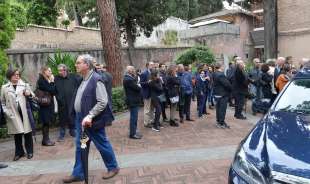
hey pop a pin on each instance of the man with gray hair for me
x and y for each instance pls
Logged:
(133, 100)
(66, 84)
(91, 112)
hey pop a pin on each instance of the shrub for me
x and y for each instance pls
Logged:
(3, 133)
(18, 14)
(198, 54)
(171, 37)
(61, 58)
(118, 99)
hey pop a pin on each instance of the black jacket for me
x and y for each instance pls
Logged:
(46, 113)
(173, 86)
(156, 89)
(65, 88)
(265, 82)
(222, 86)
(132, 91)
(240, 82)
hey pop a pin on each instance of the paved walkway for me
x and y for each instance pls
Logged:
(195, 152)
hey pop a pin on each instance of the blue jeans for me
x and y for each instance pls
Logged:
(133, 120)
(101, 142)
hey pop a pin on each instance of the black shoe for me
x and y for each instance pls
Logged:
(173, 123)
(181, 120)
(188, 119)
(17, 157)
(29, 156)
(48, 143)
(72, 179)
(3, 166)
(241, 117)
(225, 125)
(135, 136)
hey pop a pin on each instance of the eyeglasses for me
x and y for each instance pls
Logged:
(17, 74)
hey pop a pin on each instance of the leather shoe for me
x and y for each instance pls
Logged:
(241, 117)
(29, 156)
(17, 157)
(71, 179)
(3, 166)
(48, 143)
(136, 136)
(110, 174)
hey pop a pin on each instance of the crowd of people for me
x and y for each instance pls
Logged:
(84, 102)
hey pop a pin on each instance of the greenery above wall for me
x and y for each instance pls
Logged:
(197, 54)
(61, 58)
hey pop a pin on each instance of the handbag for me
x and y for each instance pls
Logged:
(33, 103)
(44, 98)
(174, 99)
(162, 98)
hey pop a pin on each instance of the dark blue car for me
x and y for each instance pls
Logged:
(277, 150)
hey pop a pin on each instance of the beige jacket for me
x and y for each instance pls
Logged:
(9, 99)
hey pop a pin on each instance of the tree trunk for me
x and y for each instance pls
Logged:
(130, 39)
(270, 29)
(110, 39)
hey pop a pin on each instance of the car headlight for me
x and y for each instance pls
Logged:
(246, 170)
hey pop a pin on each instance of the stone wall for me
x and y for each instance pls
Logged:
(294, 28)
(34, 37)
(31, 60)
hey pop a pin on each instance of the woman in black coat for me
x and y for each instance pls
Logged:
(265, 82)
(173, 86)
(156, 89)
(46, 113)
(240, 89)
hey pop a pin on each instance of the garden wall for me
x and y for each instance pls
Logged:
(31, 60)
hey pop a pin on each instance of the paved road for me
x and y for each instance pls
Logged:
(195, 152)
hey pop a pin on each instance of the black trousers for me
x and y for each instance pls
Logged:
(157, 107)
(19, 149)
(163, 109)
(239, 104)
(187, 105)
(221, 107)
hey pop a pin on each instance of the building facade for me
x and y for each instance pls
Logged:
(294, 28)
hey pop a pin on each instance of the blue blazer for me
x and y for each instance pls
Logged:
(144, 78)
(201, 86)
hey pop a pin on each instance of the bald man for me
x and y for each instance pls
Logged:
(133, 100)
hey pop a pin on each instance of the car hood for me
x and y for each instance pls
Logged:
(282, 140)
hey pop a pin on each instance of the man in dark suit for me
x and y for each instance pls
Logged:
(133, 100)
(222, 91)
(148, 109)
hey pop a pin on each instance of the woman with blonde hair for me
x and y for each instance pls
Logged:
(14, 102)
(46, 87)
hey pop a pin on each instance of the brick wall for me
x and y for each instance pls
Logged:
(293, 15)
(294, 28)
(46, 37)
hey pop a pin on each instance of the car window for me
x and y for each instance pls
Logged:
(296, 98)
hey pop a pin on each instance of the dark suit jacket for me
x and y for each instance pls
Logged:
(132, 91)
(144, 78)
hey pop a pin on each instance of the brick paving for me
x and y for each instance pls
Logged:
(191, 135)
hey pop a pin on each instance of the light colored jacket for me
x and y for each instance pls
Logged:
(10, 98)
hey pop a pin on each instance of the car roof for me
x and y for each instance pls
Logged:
(304, 73)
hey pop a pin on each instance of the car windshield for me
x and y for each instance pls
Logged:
(296, 98)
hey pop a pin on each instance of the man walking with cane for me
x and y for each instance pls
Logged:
(91, 110)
